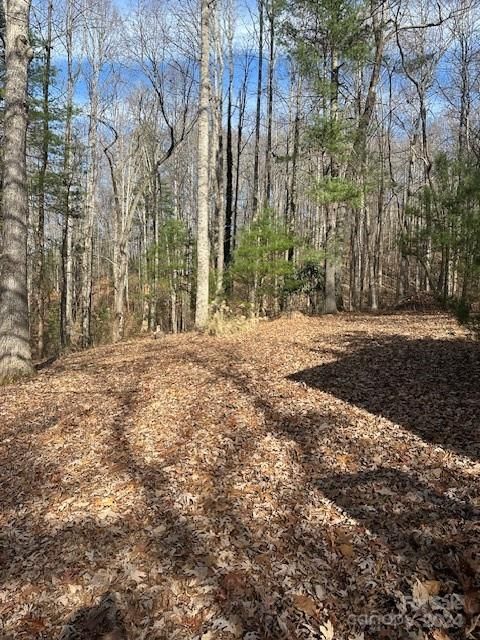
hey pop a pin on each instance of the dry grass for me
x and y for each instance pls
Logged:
(223, 323)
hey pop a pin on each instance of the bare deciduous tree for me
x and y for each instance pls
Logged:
(203, 250)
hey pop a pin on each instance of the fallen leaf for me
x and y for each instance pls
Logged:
(327, 630)
(320, 592)
(420, 593)
(305, 604)
(432, 586)
(35, 625)
(234, 582)
(346, 550)
(471, 603)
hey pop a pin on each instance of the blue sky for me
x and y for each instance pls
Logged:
(245, 40)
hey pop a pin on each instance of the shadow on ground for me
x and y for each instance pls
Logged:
(207, 553)
(430, 387)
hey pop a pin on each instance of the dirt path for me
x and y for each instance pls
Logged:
(313, 479)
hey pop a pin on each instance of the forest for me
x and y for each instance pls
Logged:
(239, 319)
(273, 156)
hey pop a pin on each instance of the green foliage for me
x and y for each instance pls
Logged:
(170, 251)
(328, 39)
(336, 191)
(337, 24)
(261, 258)
(309, 274)
(173, 239)
(330, 135)
(457, 196)
(102, 321)
(462, 310)
(53, 186)
(448, 216)
(53, 327)
(263, 263)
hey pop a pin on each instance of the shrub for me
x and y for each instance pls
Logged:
(224, 322)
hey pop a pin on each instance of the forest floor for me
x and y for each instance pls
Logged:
(314, 478)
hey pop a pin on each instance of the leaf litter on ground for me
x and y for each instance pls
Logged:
(315, 478)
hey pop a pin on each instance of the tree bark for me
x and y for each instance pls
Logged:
(256, 159)
(40, 239)
(271, 68)
(203, 250)
(219, 162)
(227, 250)
(242, 101)
(292, 191)
(15, 352)
(331, 209)
(89, 216)
(128, 185)
(66, 300)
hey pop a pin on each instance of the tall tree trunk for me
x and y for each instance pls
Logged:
(15, 353)
(464, 30)
(370, 223)
(242, 101)
(330, 259)
(378, 237)
(120, 287)
(40, 239)
(377, 10)
(96, 17)
(157, 203)
(292, 191)
(89, 216)
(271, 66)
(145, 279)
(219, 160)
(227, 250)
(256, 159)
(128, 190)
(66, 300)
(331, 209)
(354, 260)
(203, 250)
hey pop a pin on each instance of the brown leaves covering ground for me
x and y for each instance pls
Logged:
(317, 478)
